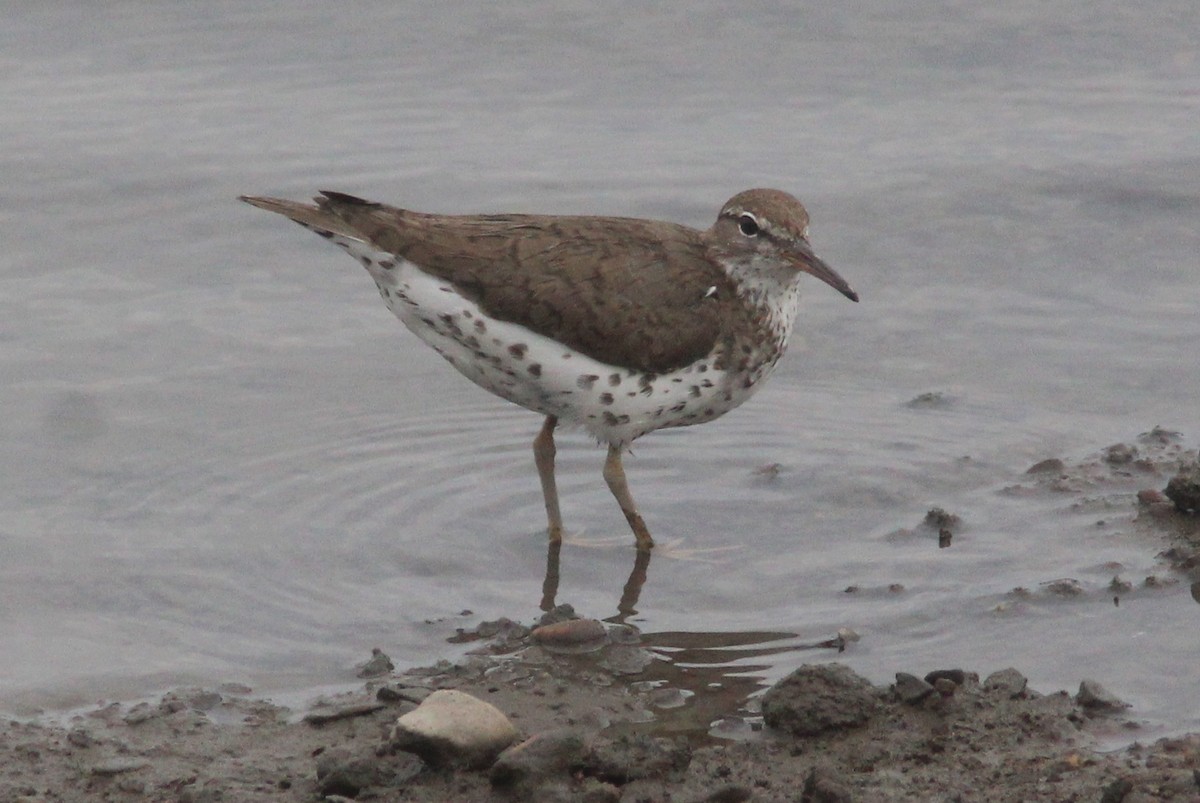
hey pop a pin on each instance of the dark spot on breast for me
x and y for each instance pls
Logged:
(471, 342)
(702, 367)
(328, 235)
(518, 350)
(366, 261)
(707, 383)
(480, 326)
(606, 398)
(694, 391)
(614, 379)
(677, 380)
(610, 419)
(535, 369)
(387, 264)
(679, 408)
(586, 381)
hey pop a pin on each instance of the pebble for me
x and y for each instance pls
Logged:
(956, 676)
(452, 727)
(325, 716)
(819, 697)
(1051, 465)
(539, 757)
(571, 633)
(1184, 489)
(911, 689)
(1097, 698)
(379, 664)
(394, 693)
(1007, 682)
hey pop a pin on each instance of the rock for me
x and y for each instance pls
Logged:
(142, 712)
(1151, 496)
(1051, 465)
(1120, 454)
(956, 676)
(539, 757)
(452, 727)
(824, 785)
(631, 758)
(1095, 697)
(1116, 791)
(1006, 682)
(341, 773)
(334, 713)
(378, 664)
(911, 689)
(395, 693)
(572, 633)
(818, 698)
(1184, 489)
(81, 738)
(624, 659)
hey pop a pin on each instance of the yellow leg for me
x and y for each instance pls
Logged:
(614, 475)
(543, 455)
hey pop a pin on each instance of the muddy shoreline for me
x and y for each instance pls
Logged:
(574, 709)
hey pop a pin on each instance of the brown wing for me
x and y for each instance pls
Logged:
(626, 292)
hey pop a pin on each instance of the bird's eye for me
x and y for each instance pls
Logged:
(748, 225)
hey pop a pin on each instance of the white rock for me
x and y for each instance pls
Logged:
(452, 727)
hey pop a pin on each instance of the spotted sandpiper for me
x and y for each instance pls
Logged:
(619, 325)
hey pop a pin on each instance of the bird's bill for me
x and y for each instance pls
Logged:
(809, 262)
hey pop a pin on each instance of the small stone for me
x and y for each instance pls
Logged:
(571, 633)
(1151, 496)
(452, 727)
(378, 664)
(1006, 682)
(1051, 465)
(824, 785)
(1095, 697)
(1184, 489)
(552, 753)
(945, 687)
(340, 772)
(1120, 454)
(81, 738)
(631, 758)
(818, 698)
(1116, 791)
(395, 693)
(326, 715)
(1063, 587)
(939, 519)
(911, 689)
(624, 659)
(142, 712)
(956, 676)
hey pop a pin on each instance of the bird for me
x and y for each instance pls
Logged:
(618, 325)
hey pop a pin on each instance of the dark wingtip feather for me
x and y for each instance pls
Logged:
(343, 198)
